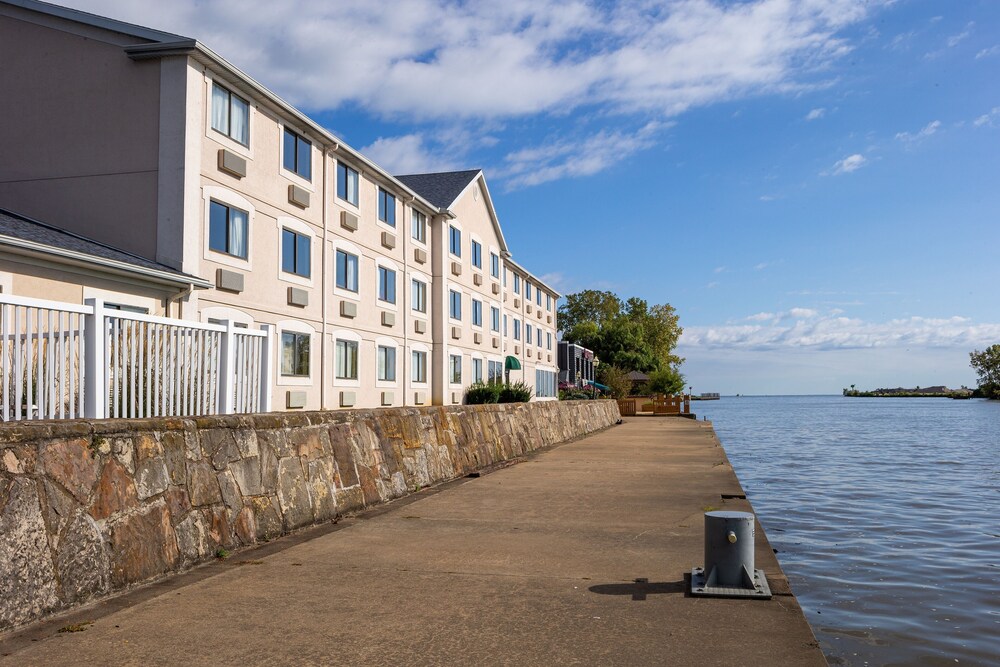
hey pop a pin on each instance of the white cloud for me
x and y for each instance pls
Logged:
(955, 40)
(805, 328)
(719, 269)
(816, 114)
(760, 266)
(988, 119)
(405, 155)
(925, 132)
(991, 51)
(847, 165)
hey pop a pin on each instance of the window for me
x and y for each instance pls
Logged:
(494, 318)
(505, 325)
(386, 363)
(228, 230)
(386, 285)
(418, 300)
(545, 383)
(347, 271)
(494, 371)
(230, 115)
(538, 297)
(494, 265)
(517, 329)
(418, 224)
(294, 354)
(386, 208)
(455, 241)
(505, 277)
(298, 155)
(456, 305)
(295, 253)
(548, 302)
(125, 308)
(517, 284)
(347, 360)
(477, 254)
(527, 291)
(347, 183)
(477, 313)
(418, 372)
(477, 370)
(527, 334)
(456, 368)
(548, 339)
(211, 320)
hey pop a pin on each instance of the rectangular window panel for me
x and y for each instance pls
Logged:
(456, 305)
(386, 285)
(494, 318)
(295, 253)
(419, 227)
(347, 360)
(386, 363)
(347, 271)
(294, 354)
(494, 265)
(227, 230)
(456, 369)
(477, 370)
(504, 325)
(548, 302)
(455, 241)
(527, 291)
(517, 284)
(386, 208)
(538, 297)
(477, 313)
(548, 340)
(527, 334)
(297, 155)
(419, 371)
(517, 329)
(477, 254)
(230, 115)
(418, 300)
(347, 183)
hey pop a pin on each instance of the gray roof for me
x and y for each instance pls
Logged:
(15, 228)
(442, 188)
(138, 31)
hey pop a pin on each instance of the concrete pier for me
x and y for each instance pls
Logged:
(576, 555)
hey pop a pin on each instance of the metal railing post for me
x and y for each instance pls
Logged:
(266, 370)
(95, 387)
(227, 351)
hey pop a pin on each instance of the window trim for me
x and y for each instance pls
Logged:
(391, 344)
(451, 304)
(299, 327)
(229, 198)
(425, 383)
(452, 227)
(294, 175)
(350, 249)
(355, 205)
(418, 313)
(302, 229)
(223, 139)
(381, 194)
(353, 337)
(451, 368)
(419, 241)
(386, 266)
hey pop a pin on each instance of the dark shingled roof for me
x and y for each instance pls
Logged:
(441, 189)
(27, 229)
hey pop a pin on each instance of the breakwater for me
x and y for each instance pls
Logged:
(88, 508)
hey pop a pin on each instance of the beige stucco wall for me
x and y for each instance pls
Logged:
(82, 120)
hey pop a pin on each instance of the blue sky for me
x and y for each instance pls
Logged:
(814, 185)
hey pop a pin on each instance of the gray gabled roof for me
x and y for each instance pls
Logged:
(138, 31)
(442, 188)
(24, 234)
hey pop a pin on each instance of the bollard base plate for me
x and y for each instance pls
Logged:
(700, 587)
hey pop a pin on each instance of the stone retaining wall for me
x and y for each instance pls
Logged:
(91, 507)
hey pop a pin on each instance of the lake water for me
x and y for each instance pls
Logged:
(886, 516)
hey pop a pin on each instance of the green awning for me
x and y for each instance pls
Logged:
(512, 364)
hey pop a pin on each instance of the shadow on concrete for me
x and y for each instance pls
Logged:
(642, 587)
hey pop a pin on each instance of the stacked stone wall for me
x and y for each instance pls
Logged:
(91, 507)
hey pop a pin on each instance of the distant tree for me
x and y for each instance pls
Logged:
(987, 366)
(615, 379)
(588, 306)
(665, 381)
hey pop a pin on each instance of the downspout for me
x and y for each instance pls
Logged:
(406, 290)
(176, 298)
(328, 153)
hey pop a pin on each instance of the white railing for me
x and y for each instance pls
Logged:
(63, 361)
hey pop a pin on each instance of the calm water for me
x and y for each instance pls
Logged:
(886, 516)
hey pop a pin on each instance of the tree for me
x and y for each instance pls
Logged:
(667, 381)
(588, 306)
(987, 367)
(615, 379)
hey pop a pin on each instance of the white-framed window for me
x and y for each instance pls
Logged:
(527, 291)
(386, 356)
(517, 284)
(517, 329)
(545, 383)
(347, 271)
(418, 296)
(548, 339)
(346, 360)
(229, 229)
(347, 184)
(296, 253)
(386, 207)
(455, 368)
(418, 226)
(477, 369)
(538, 297)
(505, 324)
(230, 115)
(454, 240)
(418, 366)
(220, 314)
(295, 349)
(494, 371)
(477, 254)
(494, 319)
(477, 313)
(455, 305)
(296, 155)
(548, 302)
(386, 284)
(527, 334)
(494, 265)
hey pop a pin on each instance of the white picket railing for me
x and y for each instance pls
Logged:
(63, 361)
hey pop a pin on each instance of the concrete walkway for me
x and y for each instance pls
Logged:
(534, 564)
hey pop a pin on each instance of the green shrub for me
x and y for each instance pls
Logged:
(519, 392)
(575, 395)
(481, 392)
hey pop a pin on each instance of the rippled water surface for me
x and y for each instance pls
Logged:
(886, 516)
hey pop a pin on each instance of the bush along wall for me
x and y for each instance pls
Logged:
(88, 508)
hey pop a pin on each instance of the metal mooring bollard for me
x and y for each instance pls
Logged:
(729, 561)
